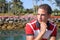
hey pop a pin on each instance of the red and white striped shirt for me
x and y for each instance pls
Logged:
(33, 29)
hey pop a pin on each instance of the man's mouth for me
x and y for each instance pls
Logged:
(41, 20)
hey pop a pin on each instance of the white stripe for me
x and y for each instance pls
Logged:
(49, 32)
(31, 27)
(33, 22)
(53, 25)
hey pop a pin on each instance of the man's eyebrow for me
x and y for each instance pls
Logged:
(41, 14)
(38, 14)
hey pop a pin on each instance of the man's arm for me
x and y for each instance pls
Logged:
(29, 32)
(39, 37)
(29, 38)
(52, 38)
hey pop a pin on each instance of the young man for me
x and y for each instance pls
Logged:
(41, 29)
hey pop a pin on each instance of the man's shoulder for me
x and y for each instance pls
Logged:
(52, 25)
(32, 22)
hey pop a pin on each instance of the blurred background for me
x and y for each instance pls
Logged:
(14, 14)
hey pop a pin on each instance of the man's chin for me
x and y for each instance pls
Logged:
(40, 21)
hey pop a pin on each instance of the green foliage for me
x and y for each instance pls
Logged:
(57, 2)
(56, 12)
(17, 7)
(2, 1)
(3, 6)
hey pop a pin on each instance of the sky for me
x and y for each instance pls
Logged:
(29, 4)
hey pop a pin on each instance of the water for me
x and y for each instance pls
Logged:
(10, 38)
(14, 35)
(19, 37)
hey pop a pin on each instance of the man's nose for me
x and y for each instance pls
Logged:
(40, 17)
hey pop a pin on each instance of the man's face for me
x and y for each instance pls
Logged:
(42, 15)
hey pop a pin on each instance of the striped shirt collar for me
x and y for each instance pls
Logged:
(38, 24)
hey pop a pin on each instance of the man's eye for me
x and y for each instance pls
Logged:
(38, 14)
(42, 14)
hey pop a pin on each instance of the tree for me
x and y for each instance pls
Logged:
(9, 6)
(3, 6)
(57, 3)
(17, 7)
(29, 11)
(35, 5)
(56, 12)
